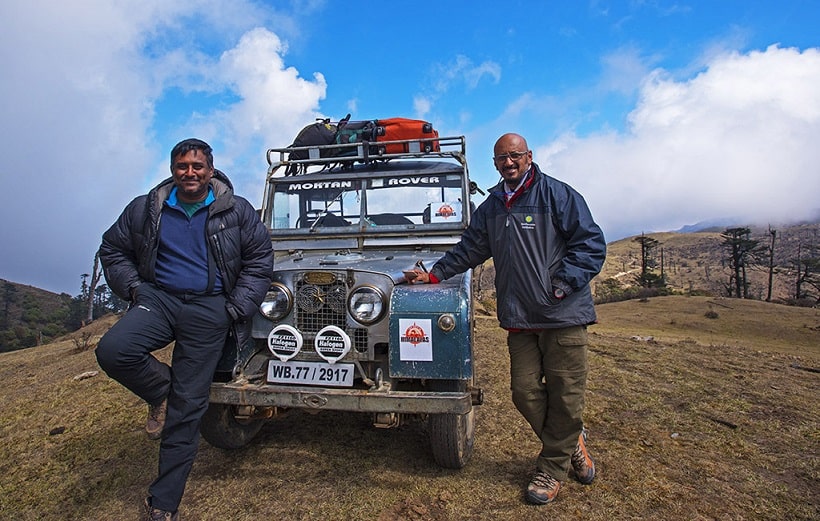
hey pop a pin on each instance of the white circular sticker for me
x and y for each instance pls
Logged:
(332, 343)
(284, 342)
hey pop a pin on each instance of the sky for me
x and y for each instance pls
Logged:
(662, 113)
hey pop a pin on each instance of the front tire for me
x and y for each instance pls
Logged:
(451, 435)
(451, 438)
(223, 429)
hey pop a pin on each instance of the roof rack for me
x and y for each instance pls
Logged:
(328, 156)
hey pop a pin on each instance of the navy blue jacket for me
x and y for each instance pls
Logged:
(545, 238)
(237, 238)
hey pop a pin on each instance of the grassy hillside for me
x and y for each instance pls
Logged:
(697, 261)
(30, 316)
(710, 418)
(688, 258)
(716, 322)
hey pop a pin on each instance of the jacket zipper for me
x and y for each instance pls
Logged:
(219, 254)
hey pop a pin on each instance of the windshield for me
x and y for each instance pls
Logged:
(394, 200)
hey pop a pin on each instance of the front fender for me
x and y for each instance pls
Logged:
(419, 348)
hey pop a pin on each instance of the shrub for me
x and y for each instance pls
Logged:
(82, 342)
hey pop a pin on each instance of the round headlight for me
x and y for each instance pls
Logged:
(277, 303)
(366, 304)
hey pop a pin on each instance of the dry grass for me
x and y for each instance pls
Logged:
(740, 323)
(713, 419)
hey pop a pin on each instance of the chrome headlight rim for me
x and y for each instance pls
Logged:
(380, 304)
(278, 302)
(446, 322)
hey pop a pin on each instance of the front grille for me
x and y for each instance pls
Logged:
(318, 305)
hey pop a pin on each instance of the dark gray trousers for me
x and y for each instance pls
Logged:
(548, 373)
(199, 324)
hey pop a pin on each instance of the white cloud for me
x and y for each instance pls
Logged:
(422, 106)
(75, 123)
(463, 70)
(473, 75)
(460, 71)
(623, 69)
(274, 102)
(272, 95)
(738, 140)
(78, 102)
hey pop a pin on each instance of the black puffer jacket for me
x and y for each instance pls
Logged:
(237, 238)
(546, 238)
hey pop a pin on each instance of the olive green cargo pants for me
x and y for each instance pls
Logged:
(548, 373)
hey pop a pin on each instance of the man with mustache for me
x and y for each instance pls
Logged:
(546, 248)
(195, 261)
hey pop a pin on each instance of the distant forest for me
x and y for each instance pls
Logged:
(31, 316)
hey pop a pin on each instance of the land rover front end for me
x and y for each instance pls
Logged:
(342, 328)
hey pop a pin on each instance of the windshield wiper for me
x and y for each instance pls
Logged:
(326, 210)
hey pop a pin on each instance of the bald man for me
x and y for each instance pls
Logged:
(546, 248)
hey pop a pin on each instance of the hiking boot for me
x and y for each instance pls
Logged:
(582, 462)
(156, 420)
(155, 514)
(542, 489)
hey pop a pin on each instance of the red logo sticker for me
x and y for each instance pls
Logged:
(415, 335)
(445, 211)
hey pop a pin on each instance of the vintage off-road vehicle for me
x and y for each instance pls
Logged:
(341, 327)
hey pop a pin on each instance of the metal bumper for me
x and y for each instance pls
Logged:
(360, 400)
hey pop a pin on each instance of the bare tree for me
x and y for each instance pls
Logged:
(742, 250)
(647, 278)
(771, 263)
(96, 274)
(807, 264)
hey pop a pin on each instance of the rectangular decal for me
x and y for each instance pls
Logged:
(415, 340)
(443, 212)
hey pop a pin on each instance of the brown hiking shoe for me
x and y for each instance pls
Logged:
(154, 514)
(582, 462)
(542, 489)
(156, 420)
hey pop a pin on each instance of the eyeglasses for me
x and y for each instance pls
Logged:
(515, 156)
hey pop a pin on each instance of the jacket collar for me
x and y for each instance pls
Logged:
(529, 179)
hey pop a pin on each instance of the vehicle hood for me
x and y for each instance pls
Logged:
(390, 263)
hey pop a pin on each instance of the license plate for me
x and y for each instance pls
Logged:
(310, 373)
